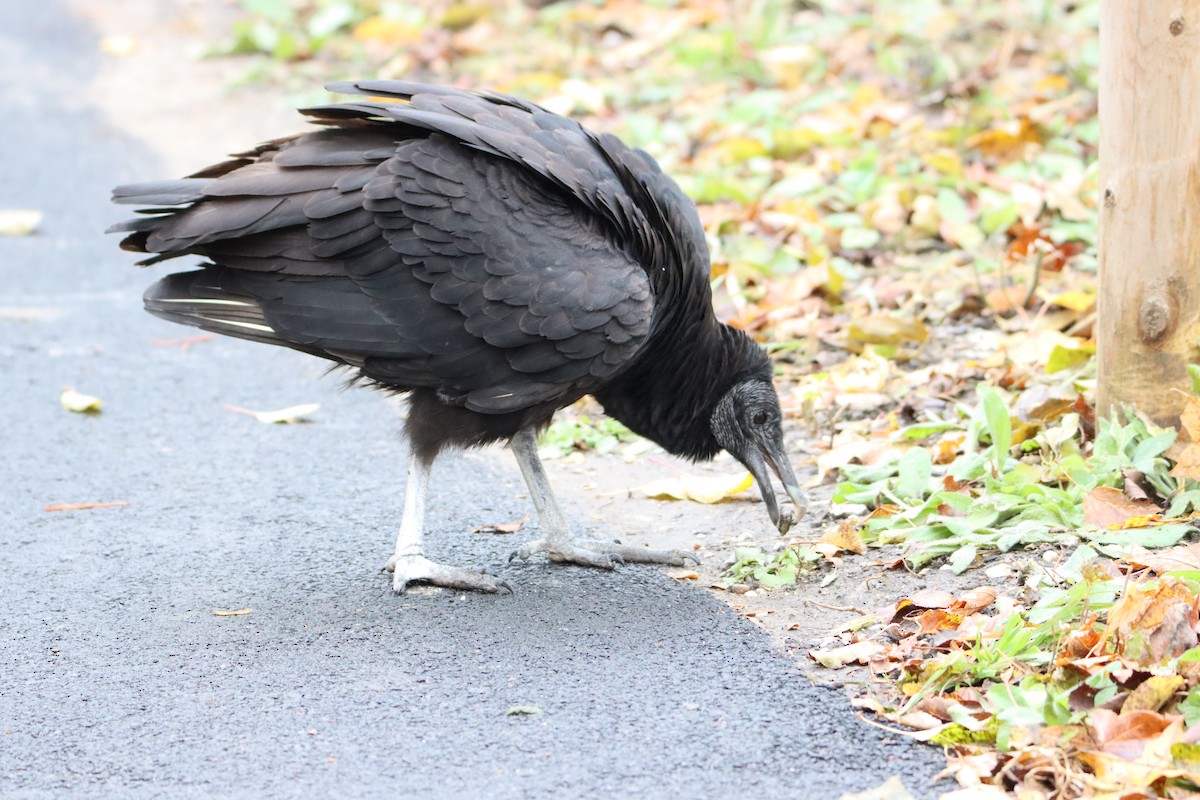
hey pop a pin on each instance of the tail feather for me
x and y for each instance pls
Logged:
(198, 299)
(161, 193)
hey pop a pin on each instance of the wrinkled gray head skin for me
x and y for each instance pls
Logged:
(747, 423)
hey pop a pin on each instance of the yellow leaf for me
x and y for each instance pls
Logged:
(1006, 141)
(1051, 83)
(700, 488)
(392, 31)
(845, 537)
(737, 149)
(1152, 694)
(945, 161)
(886, 329)
(1074, 299)
(18, 221)
(865, 94)
(80, 403)
(1140, 521)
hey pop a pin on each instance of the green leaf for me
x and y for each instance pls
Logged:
(1158, 536)
(998, 424)
(859, 238)
(916, 470)
(1062, 358)
(924, 430)
(1194, 372)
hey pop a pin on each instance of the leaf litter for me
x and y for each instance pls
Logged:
(901, 204)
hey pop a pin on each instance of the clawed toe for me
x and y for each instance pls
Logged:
(601, 554)
(409, 570)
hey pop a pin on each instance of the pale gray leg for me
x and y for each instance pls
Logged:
(409, 564)
(557, 541)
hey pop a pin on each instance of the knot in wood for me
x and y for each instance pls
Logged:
(1110, 197)
(1176, 26)
(1156, 318)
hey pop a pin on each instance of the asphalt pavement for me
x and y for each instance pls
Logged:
(117, 679)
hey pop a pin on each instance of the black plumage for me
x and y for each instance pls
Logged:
(492, 259)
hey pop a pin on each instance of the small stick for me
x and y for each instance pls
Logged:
(83, 506)
(835, 608)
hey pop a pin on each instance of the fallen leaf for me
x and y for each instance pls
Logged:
(1186, 456)
(220, 612)
(80, 403)
(18, 221)
(937, 619)
(1006, 141)
(83, 506)
(1186, 556)
(684, 575)
(885, 329)
(502, 527)
(700, 488)
(1134, 750)
(284, 416)
(1152, 694)
(845, 537)
(974, 600)
(859, 652)
(1153, 620)
(1106, 507)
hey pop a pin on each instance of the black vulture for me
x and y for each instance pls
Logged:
(491, 259)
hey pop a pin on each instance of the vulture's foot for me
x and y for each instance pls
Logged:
(601, 554)
(412, 569)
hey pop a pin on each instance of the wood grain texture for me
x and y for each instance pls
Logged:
(1148, 323)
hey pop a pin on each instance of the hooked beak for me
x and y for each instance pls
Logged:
(774, 456)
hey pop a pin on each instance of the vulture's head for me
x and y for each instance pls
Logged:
(746, 422)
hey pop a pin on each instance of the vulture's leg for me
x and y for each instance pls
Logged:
(557, 540)
(409, 564)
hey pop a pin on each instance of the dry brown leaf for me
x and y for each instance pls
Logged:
(974, 600)
(937, 619)
(845, 537)
(1186, 456)
(1135, 750)
(684, 575)
(1189, 418)
(502, 527)
(1163, 613)
(857, 653)
(1106, 507)
(1186, 556)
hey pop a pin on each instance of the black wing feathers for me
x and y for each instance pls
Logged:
(472, 243)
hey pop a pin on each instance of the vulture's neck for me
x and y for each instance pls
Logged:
(669, 393)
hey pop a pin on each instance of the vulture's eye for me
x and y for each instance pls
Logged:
(759, 418)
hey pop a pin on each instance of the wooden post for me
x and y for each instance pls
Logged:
(1148, 318)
